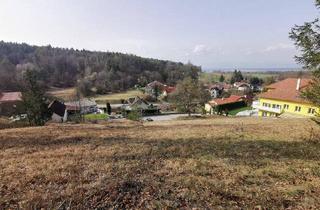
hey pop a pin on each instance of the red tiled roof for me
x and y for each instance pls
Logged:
(289, 83)
(286, 90)
(221, 101)
(169, 89)
(10, 96)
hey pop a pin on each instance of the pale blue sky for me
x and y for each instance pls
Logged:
(210, 33)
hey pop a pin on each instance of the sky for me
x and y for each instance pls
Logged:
(211, 33)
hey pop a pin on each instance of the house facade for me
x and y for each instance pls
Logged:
(242, 86)
(284, 98)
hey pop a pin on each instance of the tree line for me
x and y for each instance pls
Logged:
(93, 72)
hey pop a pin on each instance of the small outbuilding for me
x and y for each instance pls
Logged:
(219, 105)
(59, 111)
(10, 103)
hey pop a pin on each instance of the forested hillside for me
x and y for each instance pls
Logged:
(93, 72)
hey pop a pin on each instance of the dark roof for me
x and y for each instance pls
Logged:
(57, 108)
(137, 100)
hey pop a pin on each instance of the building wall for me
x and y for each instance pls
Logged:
(59, 119)
(209, 109)
(291, 109)
(11, 108)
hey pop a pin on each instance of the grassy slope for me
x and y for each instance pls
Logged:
(95, 116)
(229, 163)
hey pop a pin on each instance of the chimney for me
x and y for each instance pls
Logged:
(298, 84)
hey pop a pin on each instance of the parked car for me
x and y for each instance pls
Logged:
(18, 117)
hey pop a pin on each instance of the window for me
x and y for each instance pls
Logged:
(298, 109)
(286, 106)
(311, 111)
(276, 106)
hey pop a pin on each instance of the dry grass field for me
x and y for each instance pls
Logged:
(222, 163)
(70, 94)
(116, 97)
(66, 94)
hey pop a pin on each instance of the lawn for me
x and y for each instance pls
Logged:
(236, 111)
(213, 163)
(95, 116)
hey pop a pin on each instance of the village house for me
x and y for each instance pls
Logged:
(156, 88)
(220, 105)
(284, 98)
(167, 90)
(242, 86)
(10, 103)
(140, 105)
(216, 90)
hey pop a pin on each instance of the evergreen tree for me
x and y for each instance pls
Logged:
(307, 39)
(34, 99)
(236, 76)
(221, 79)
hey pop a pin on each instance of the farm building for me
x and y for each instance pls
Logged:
(84, 106)
(10, 103)
(220, 105)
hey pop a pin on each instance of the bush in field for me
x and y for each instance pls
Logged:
(134, 115)
(76, 118)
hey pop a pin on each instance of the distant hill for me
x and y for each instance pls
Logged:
(268, 70)
(94, 72)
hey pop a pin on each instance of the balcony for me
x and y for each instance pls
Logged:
(256, 105)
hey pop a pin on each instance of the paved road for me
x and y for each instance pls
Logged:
(166, 117)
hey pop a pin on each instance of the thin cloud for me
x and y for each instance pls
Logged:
(277, 47)
(201, 49)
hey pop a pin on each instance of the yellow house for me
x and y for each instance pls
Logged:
(284, 98)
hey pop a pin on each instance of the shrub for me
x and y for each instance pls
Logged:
(134, 115)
